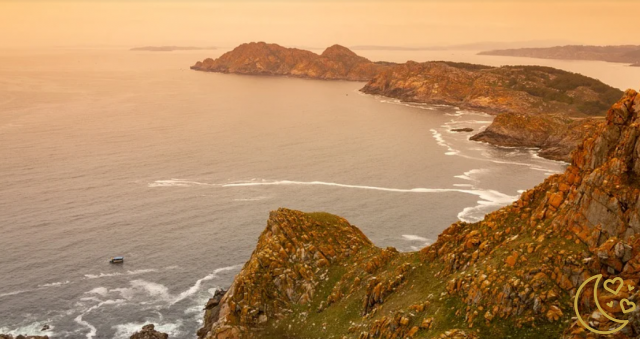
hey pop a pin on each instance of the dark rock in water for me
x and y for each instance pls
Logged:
(149, 332)
(45, 328)
(7, 336)
(466, 129)
(212, 312)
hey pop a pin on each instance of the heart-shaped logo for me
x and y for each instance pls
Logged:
(613, 281)
(610, 304)
(631, 288)
(632, 306)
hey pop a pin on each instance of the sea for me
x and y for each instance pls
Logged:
(107, 152)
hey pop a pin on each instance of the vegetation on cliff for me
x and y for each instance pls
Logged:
(259, 58)
(623, 54)
(513, 274)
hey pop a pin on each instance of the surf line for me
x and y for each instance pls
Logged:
(489, 195)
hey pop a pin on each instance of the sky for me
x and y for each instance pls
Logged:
(313, 24)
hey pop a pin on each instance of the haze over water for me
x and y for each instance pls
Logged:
(111, 152)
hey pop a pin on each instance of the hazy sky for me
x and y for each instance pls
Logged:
(29, 23)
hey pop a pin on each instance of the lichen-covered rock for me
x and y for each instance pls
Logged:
(291, 258)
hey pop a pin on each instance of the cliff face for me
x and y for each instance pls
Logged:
(624, 54)
(335, 63)
(513, 274)
(556, 136)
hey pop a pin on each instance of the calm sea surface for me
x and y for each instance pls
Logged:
(111, 152)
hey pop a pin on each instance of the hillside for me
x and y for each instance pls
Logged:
(623, 54)
(259, 58)
(513, 274)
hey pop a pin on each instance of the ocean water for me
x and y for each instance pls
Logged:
(111, 152)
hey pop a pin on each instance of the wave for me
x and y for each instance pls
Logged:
(440, 141)
(196, 287)
(55, 284)
(106, 275)
(13, 293)
(412, 237)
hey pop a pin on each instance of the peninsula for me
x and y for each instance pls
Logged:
(628, 54)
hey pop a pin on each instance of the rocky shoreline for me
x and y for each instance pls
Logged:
(515, 273)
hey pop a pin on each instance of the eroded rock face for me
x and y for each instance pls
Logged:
(515, 273)
(556, 136)
(259, 58)
(149, 332)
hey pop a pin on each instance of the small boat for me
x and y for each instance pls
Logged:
(117, 260)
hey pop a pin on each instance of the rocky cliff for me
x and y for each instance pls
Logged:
(523, 93)
(513, 274)
(555, 136)
(623, 54)
(259, 58)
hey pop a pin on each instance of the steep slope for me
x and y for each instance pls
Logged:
(514, 274)
(335, 63)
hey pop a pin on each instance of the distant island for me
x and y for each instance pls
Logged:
(259, 58)
(170, 48)
(536, 106)
(622, 54)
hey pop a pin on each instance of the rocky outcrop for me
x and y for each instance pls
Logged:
(259, 58)
(513, 274)
(556, 136)
(7, 336)
(149, 332)
(623, 54)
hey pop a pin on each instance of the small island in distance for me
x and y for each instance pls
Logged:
(170, 48)
(622, 54)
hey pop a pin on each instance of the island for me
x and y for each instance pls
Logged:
(623, 54)
(515, 274)
(259, 58)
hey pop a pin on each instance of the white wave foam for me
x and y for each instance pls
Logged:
(55, 284)
(13, 293)
(196, 287)
(411, 237)
(102, 291)
(176, 183)
(92, 330)
(471, 175)
(489, 198)
(440, 141)
(106, 275)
